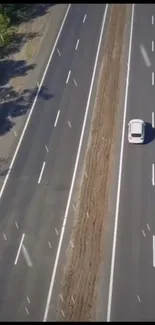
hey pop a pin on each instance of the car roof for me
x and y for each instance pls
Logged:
(136, 126)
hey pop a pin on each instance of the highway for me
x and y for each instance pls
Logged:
(34, 198)
(132, 281)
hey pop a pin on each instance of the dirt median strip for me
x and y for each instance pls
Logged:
(79, 289)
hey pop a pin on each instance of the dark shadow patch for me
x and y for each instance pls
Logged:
(10, 69)
(149, 133)
(3, 167)
(25, 12)
(4, 172)
(14, 104)
(17, 42)
(7, 125)
(45, 94)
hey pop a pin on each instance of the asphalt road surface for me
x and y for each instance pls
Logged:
(34, 200)
(133, 294)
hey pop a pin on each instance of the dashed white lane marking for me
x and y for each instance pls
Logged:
(16, 225)
(153, 174)
(72, 244)
(148, 227)
(69, 124)
(74, 208)
(153, 119)
(61, 297)
(27, 311)
(152, 20)
(46, 148)
(152, 46)
(58, 52)
(85, 174)
(75, 82)
(84, 19)
(26, 255)
(73, 300)
(143, 233)
(28, 299)
(53, 275)
(15, 133)
(19, 249)
(56, 231)
(77, 44)
(41, 173)
(153, 251)
(152, 78)
(138, 298)
(62, 312)
(49, 244)
(145, 55)
(68, 76)
(4, 236)
(56, 120)
(87, 215)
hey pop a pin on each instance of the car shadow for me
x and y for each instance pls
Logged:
(149, 133)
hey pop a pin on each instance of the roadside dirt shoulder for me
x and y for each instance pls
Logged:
(80, 283)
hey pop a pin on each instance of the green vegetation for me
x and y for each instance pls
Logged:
(5, 30)
(7, 13)
(10, 14)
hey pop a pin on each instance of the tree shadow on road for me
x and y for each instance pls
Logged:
(14, 104)
(44, 94)
(10, 69)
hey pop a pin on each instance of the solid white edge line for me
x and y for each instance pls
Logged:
(19, 249)
(33, 105)
(153, 119)
(56, 120)
(153, 251)
(74, 173)
(41, 173)
(120, 174)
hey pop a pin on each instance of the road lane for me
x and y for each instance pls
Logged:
(134, 276)
(39, 209)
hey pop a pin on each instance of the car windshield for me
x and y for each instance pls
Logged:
(136, 135)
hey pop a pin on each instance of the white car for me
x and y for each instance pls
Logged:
(136, 131)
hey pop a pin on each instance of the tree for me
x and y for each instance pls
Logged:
(5, 33)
